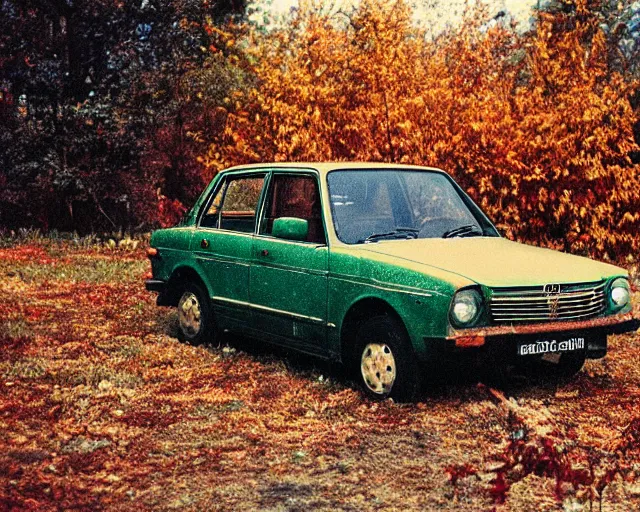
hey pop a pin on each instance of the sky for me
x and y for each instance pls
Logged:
(447, 11)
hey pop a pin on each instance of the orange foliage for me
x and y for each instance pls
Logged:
(537, 127)
(102, 408)
(169, 211)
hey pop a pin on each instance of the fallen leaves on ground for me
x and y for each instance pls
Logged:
(101, 408)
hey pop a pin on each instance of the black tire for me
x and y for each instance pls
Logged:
(385, 336)
(207, 331)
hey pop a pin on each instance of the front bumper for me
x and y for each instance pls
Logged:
(595, 329)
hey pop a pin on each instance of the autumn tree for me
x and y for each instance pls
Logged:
(98, 106)
(538, 127)
(119, 113)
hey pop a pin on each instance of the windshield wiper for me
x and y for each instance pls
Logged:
(469, 229)
(397, 233)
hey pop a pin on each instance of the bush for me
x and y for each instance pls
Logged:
(537, 127)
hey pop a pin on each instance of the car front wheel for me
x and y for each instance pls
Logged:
(195, 319)
(384, 360)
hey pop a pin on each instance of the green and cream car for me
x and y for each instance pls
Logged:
(385, 268)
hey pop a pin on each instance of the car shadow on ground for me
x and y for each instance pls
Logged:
(459, 379)
(462, 380)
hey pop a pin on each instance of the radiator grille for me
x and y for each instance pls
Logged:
(553, 303)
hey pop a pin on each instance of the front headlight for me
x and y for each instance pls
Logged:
(619, 293)
(466, 308)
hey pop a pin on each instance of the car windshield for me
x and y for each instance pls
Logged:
(373, 205)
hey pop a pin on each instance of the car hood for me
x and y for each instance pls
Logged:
(496, 262)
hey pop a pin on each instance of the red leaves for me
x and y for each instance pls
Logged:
(104, 408)
(555, 451)
(499, 488)
(169, 211)
(630, 437)
(457, 471)
(541, 457)
(26, 253)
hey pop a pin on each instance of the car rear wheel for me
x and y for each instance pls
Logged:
(195, 318)
(384, 361)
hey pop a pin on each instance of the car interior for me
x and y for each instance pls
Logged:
(295, 196)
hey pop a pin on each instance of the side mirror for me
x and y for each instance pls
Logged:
(290, 228)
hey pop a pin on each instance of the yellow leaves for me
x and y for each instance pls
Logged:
(543, 195)
(524, 118)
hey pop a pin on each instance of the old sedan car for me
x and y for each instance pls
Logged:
(385, 268)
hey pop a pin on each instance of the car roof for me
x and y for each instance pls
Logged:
(325, 167)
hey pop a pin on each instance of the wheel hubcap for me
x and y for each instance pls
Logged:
(189, 314)
(378, 368)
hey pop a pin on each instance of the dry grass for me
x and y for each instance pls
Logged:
(101, 407)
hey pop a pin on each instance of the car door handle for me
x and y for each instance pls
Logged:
(264, 252)
(204, 243)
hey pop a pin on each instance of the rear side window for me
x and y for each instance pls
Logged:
(233, 206)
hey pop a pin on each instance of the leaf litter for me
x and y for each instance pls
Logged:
(101, 407)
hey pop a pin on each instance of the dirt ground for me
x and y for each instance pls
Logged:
(101, 407)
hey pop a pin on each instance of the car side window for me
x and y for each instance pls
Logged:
(211, 217)
(234, 205)
(294, 196)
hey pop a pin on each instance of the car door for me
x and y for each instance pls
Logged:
(288, 278)
(223, 245)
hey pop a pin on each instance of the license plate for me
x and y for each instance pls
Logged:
(551, 346)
